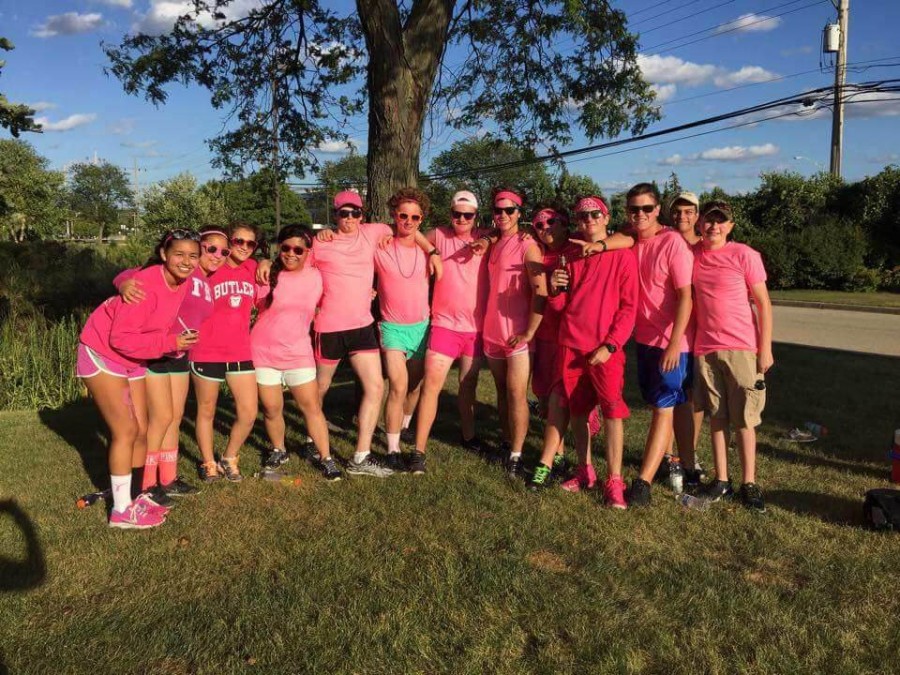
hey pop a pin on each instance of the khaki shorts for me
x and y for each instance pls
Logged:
(725, 387)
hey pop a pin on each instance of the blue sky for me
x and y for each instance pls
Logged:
(58, 63)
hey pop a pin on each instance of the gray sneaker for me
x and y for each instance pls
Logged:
(369, 467)
(275, 459)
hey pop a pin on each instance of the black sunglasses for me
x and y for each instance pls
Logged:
(297, 250)
(646, 208)
(587, 215)
(212, 248)
(180, 235)
(238, 241)
(349, 213)
(547, 224)
(459, 214)
(508, 210)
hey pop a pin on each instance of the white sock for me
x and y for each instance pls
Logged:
(308, 439)
(121, 492)
(406, 421)
(393, 443)
(359, 457)
(515, 455)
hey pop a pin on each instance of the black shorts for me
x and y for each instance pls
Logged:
(217, 370)
(169, 365)
(332, 347)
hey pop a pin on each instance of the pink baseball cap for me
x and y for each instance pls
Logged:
(347, 198)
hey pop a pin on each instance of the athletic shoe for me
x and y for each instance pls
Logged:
(514, 467)
(614, 493)
(330, 470)
(676, 476)
(150, 504)
(540, 478)
(308, 451)
(638, 494)
(751, 497)
(159, 496)
(584, 479)
(662, 473)
(560, 468)
(474, 445)
(693, 478)
(136, 516)
(417, 463)
(534, 407)
(717, 490)
(408, 436)
(275, 459)
(595, 424)
(179, 488)
(369, 467)
(800, 436)
(229, 467)
(396, 462)
(209, 472)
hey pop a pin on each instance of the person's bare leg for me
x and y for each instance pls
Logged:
(398, 385)
(518, 370)
(498, 371)
(658, 438)
(367, 366)
(615, 445)
(437, 366)
(207, 393)
(324, 376)
(746, 439)
(415, 371)
(306, 397)
(272, 400)
(582, 438)
(113, 399)
(685, 435)
(138, 392)
(180, 385)
(159, 410)
(468, 391)
(719, 436)
(557, 420)
(243, 388)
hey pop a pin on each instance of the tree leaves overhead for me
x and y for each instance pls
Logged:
(98, 192)
(16, 117)
(31, 195)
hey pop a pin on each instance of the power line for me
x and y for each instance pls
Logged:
(684, 18)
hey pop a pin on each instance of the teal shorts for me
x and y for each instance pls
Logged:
(409, 338)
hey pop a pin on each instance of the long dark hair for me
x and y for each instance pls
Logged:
(286, 232)
(166, 241)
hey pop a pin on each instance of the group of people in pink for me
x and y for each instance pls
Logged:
(553, 310)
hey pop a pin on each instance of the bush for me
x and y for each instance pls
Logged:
(865, 280)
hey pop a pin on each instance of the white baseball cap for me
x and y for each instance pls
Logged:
(464, 197)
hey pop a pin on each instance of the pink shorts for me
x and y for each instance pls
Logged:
(89, 363)
(545, 369)
(496, 351)
(454, 343)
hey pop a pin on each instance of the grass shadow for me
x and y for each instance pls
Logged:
(798, 457)
(829, 509)
(16, 573)
(79, 424)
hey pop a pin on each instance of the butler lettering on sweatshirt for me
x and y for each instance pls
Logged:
(225, 335)
(133, 334)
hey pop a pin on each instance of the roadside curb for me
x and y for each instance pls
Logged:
(831, 305)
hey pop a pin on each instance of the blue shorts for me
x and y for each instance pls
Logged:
(659, 389)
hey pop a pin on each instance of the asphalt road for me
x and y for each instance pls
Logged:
(853, 331)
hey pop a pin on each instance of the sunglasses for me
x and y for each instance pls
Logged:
(238, 241)
(212, 249)
(646, 208)
(459, 214)
(508, 210)
(180, 235)
(415, 217)
(349, 213)
(589, 215)
(296, 250)
(547, 224)
(715, 217)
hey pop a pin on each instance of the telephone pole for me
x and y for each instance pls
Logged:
(840, 76)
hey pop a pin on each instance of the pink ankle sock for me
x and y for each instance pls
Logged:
(150, 466)
(168, 466)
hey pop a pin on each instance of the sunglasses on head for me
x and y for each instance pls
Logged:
(589, 215)
(508, 210)
(180, 235)
(296, 250)
(459, 214)
(349, 213)
(238, 241)
(415, 217)
(212, 249)
(646, 208)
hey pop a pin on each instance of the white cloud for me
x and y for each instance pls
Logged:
(41, 106)
(66, 124)
(70, 23)
(872, 104)
(337, 147)
(115, 3)
(750, 23)
(674, 160)
(664, 92)
(664, 73)
(122, 127)
(746, 75)
(162, 14)
(138, 144)
(738, 153)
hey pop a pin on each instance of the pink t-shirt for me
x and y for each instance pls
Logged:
(509, 299)
(402, 283)
(133, 334)
(225, 335)
(549, 328)
(722, 281)
(460, 297)
(280, 337)
(347, 264)
(665, 264)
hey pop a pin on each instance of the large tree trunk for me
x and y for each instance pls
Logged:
(403, 62)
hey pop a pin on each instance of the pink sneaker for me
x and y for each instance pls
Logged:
(136, 517)
(594, 423)
(614, 493)
(583, 479)
(150, 505)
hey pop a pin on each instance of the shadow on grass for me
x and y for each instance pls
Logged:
(79, 424)
(827, 508)
(798, 457)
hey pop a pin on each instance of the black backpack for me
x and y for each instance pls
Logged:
(882, 509)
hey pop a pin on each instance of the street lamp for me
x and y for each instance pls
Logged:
(818, 165)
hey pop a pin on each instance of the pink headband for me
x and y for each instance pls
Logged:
(544, 215)
(511, 196)
(592, 204)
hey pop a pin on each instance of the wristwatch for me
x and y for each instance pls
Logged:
(610, 347)
(434, 251)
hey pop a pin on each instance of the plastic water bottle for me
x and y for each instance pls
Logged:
(676, 476)
(693, 503)
(276, 477)
(816, 429)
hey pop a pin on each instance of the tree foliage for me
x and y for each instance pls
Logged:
(179, 202)
(97, 192)
(16, 117)
(31, 196)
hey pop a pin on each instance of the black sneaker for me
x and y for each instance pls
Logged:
(408, 436)
(540, 478)
(308, 451)
(561, 467)
(474, 445)
(751, 497)
(395, 462)
(514, 467)
(638, 494)
(276, 459)
(718, 490)
(693, 478)
(159, 497)
(662, 473)
(417, 463)
(178, 488)
(330, 470)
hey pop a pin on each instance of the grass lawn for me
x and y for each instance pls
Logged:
(460, 571)
(840, 297)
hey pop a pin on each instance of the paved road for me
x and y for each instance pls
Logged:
(853, 331)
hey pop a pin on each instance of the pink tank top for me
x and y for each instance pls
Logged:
(460, 297)
(509, 298)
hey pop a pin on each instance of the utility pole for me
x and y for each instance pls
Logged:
(840, 76)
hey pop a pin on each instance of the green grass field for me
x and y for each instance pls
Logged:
(880, 299)
(460, 571)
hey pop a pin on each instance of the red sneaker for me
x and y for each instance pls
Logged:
(583, 479)
(614, 493)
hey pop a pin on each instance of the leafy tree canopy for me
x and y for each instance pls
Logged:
(179, 202)
(31, 196)
(16, 117)
(97, 192)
